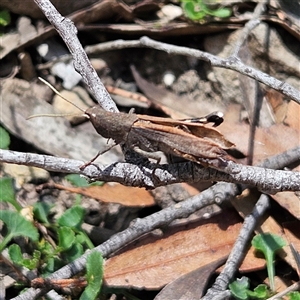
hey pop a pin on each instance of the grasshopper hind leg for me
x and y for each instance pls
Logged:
(153, 155)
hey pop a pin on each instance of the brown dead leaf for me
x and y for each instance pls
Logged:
(191, 285)
(279, 106)
(285, 112)
(252, 262)
(152, 262)
(114, 193)
(290, 201)
(177, 107)
(268, 141)
(292, 234)
(293, 117)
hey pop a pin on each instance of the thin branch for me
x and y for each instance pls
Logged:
(249, 26)
(232, 63)
(67, 30)
(291, 288)
(267, 180)
(289, 157)
(239, 248)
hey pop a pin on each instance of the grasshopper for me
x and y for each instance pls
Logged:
(188, 138)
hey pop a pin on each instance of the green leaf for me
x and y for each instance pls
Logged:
(77, 180)
(94, 267)
(221, 12)
(46, 248)
(74, 252)
(260, 292)
(4, 17)
(72, 217)
(50, 266)
(15, 254)
(197, 10)
(7, 192)
(4, 136)
(32, 263)
(294, 295)
(17, 225)
(192, 12)
(97, 183)
(66, 238)
(239, 288)
(41, 211)
(268, 244)
(82, 238)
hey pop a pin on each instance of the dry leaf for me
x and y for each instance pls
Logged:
(114, 193)
(290, 201)
(191, 285)
(153, 262)
(278, 105)
(268, 141)
(293, 117)
(292, 234)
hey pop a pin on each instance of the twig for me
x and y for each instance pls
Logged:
(67, 30)
(267, 180)
(250, 87)
(238, 251)
(289, 157)
(293, 287)
(231, 63)
(249, 26)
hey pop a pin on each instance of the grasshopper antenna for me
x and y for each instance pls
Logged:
(61, 96)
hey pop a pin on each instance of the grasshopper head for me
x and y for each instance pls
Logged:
(111, 125)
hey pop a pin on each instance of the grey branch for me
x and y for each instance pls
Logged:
(67, 30)
(249, 26)
(267, 180)
(239, 249)
(232, 62)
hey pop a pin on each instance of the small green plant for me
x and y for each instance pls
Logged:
(7, 193)
(68, 241)
(77, 180)
(94, 276)
(197, 10)
(16, 226)
(240, 290)
(268, 244)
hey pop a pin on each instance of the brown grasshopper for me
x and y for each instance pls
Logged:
(189, 138)
(145, 134)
